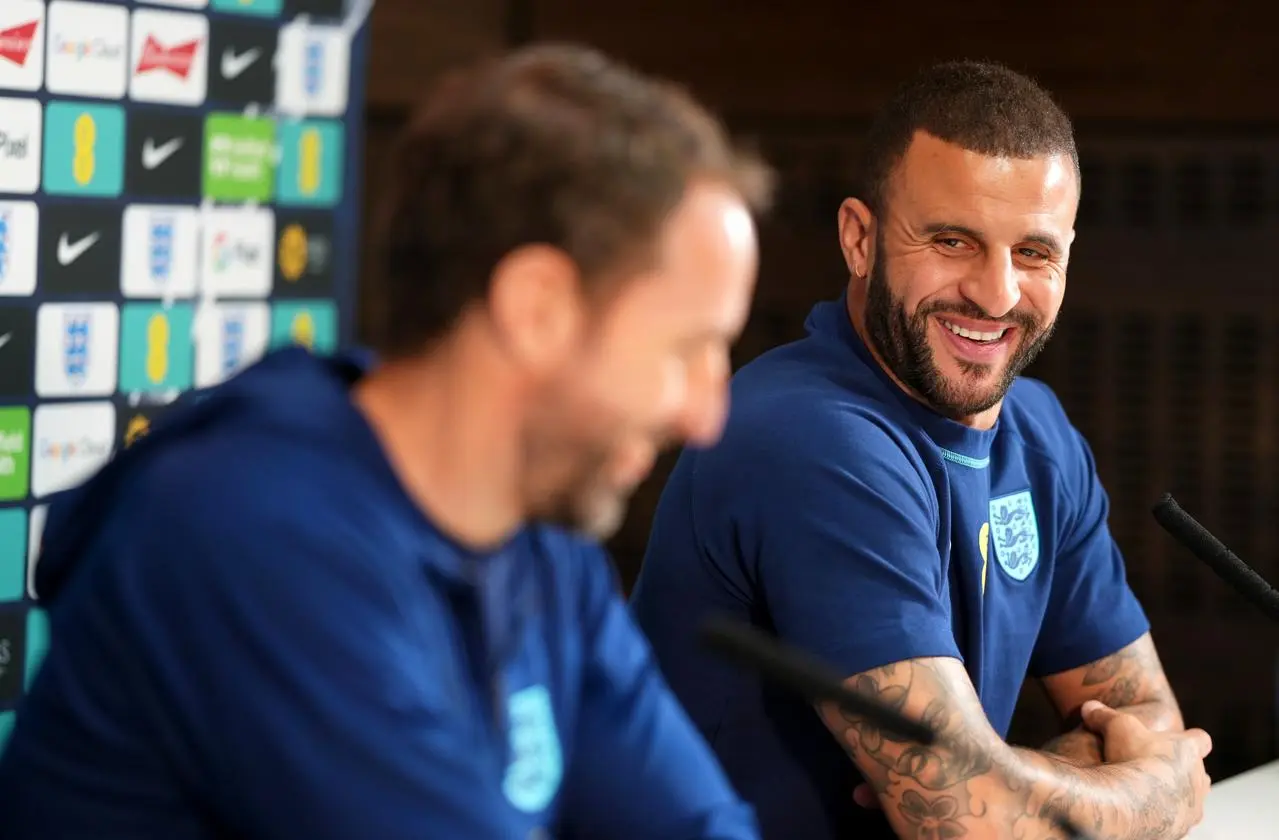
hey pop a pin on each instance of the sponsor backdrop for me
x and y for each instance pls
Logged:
(178, 194)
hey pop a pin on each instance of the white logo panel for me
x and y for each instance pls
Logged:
(170, 57)
(19, 232)
(21, 124)
(313, 65)
(237, 338)
(71, 442)
(77, 349)
(87, 49)
(160, 254)
(21, 44)
(237, 251)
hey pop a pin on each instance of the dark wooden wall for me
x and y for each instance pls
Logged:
(1168, 355)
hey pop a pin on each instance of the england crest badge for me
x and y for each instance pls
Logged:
(1014, 534)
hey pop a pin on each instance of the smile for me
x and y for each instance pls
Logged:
(973, 335)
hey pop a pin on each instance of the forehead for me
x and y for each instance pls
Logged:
(706, 260)
(945, 181)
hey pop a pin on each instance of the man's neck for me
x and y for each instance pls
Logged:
(450, 431)
(856, 306)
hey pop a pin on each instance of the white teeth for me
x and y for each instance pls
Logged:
(973, 334)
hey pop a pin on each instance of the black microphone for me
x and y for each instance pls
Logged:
(814, 680)
(1195, 537)
(805, 675)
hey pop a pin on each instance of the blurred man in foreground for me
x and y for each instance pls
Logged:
(341, 599)
(891, 496)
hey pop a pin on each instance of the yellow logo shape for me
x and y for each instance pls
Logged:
(138, 427)
(292, 252)
(302, 330)
(157, 347)
(983, 544)
(309, 161)
(83, 137)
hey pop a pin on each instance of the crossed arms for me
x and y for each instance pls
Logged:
(970, 784)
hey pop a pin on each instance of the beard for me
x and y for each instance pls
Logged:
(570, 488)
(901, 340)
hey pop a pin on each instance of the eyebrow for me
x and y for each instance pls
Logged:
(1049, 241)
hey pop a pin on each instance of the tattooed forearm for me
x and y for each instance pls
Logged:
(1132, 679)
(971, 784)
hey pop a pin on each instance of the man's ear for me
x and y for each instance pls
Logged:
(856, 236)
(536, 304)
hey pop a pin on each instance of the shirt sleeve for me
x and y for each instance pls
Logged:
(640, 769)
(292, 684)
(836, 521)
(1092, 611)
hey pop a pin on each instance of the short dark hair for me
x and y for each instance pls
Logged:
(980, 106)
(551, 144)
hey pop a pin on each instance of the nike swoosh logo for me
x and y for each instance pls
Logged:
(233, 65)
(4, 339)
(153, 155)
(69, 252)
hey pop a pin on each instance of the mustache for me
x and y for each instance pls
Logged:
(968, 309)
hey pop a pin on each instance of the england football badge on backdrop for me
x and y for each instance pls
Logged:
(170, 57)
(236, 337)
(77, 349)
(161, 247)
(22, 44)
(87, 49)
(314, 69)
(19, 233)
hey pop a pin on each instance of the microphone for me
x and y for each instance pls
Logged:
(814, 680)
(1185, 530)
(805, 675)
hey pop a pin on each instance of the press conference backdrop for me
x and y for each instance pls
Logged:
(178, 194)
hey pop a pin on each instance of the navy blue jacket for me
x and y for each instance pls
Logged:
(256, 633)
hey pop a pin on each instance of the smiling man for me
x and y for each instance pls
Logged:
(890, 495)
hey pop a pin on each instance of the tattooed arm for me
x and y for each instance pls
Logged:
(971, 784)
(1131, 680)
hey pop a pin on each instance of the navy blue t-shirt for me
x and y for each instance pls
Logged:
(256, 634)
(859, 525)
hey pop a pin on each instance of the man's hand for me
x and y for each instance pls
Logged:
(1127, 739)
(1131, 680)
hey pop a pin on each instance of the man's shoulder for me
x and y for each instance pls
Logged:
(1035, 414)
(788, 406)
